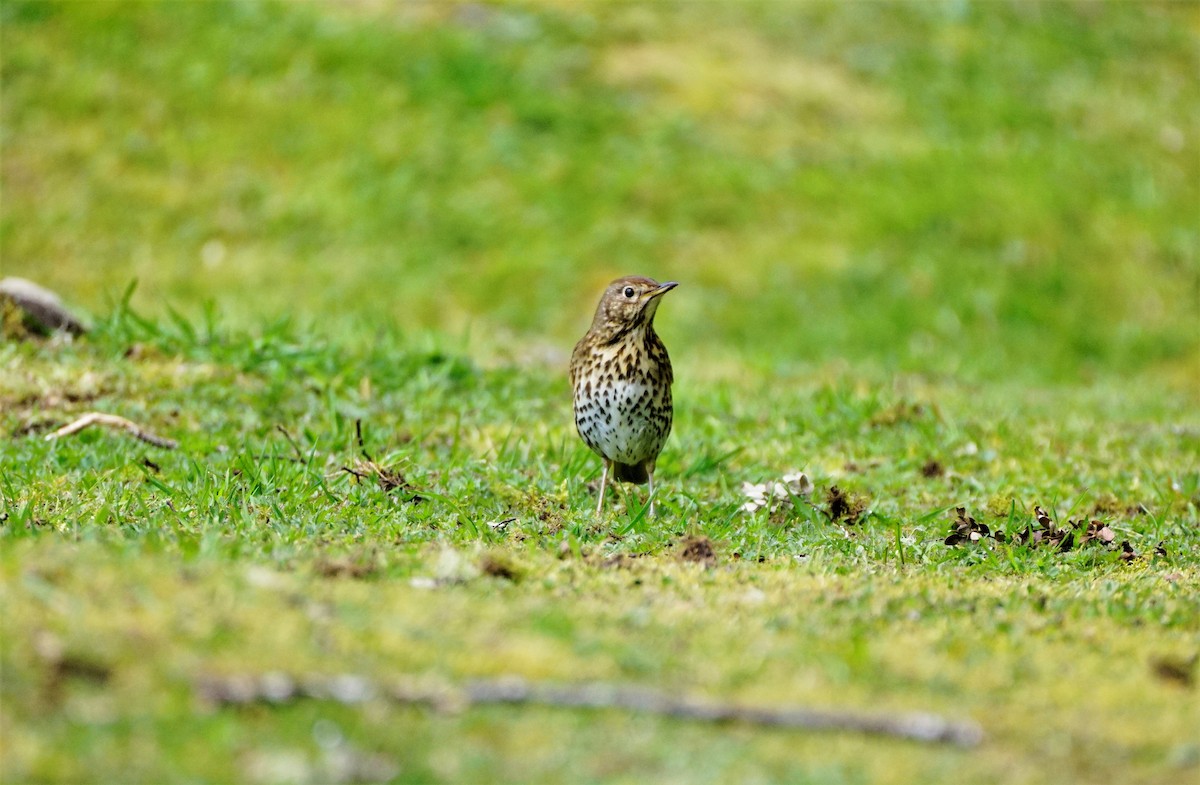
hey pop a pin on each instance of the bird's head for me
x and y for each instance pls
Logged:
(629, 303)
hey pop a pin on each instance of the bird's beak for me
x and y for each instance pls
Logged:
(662, 289)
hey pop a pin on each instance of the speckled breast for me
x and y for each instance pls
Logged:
(623, 404)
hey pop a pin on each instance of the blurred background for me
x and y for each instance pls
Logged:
(988, 189)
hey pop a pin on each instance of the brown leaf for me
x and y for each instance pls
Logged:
(698, 550)
(359, 566)
(1067, 541)
(902, 412)
(1045, 532)
(389, 479)
(964, 528)
(845, 506)
(617, 561)
(500, 566)
(83, 667)
(1179, 670)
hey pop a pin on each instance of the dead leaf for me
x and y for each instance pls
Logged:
(616, 561)
(357, 567)
(932, 468)
(390, 479)
(898, 413)
(966, 529)
(1179, 670)
(1044, 532)
(1098, 531)
(843, 506)
(698, 550)
(499, 565)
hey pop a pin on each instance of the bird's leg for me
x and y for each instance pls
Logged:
(603, 482)
(651, 481)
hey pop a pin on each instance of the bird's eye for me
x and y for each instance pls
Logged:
(629, 291)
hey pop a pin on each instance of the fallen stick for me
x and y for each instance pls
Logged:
(40, 306)
(295, 447)
(99, 418)
(349, 689)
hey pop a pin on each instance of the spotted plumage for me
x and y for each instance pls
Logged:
(621, 377)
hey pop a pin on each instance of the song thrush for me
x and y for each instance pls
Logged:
(621, 378)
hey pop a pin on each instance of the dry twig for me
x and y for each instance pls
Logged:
(389, 479)
(351, 689)
(295, 447)
(42, 308)
(112, 420)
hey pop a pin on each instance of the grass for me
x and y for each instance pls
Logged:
(935, 255)
(249, 550)
(1018, 172)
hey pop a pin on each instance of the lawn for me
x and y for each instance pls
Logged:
(932, 255)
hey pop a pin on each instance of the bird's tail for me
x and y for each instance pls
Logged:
(631, 472)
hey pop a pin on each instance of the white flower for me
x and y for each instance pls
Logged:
(799, 483)
(776, 493)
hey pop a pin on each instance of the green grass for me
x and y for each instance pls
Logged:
(934, 254)
(241, 553)
(1026, 175)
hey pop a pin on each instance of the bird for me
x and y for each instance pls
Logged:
(621, 383)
